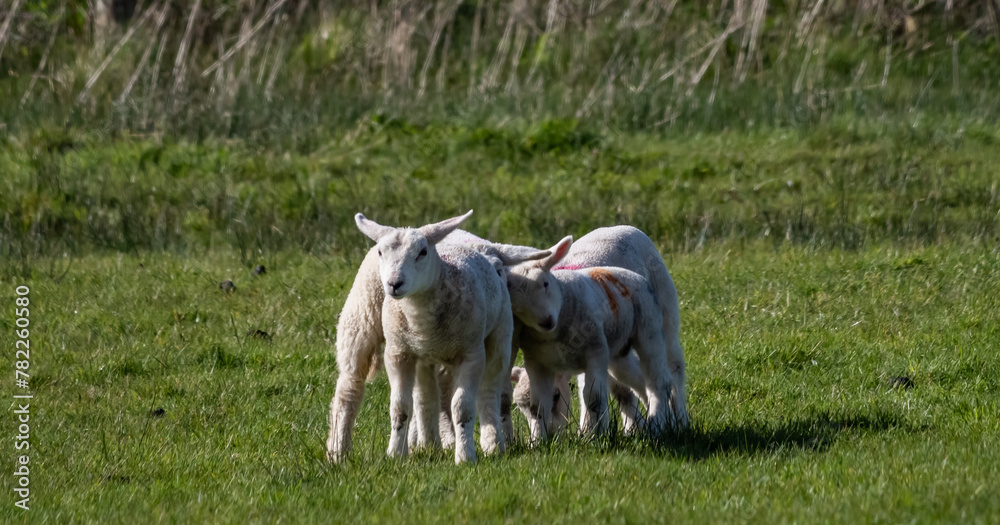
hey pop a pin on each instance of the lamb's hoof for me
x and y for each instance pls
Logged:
(393, 453)
(467, 455)
(493, 449)
(468, 459)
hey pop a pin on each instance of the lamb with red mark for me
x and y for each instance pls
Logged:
(586, 321)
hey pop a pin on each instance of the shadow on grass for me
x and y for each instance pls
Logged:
(808, 433)
(812, 433)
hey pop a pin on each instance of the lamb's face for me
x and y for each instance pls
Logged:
(406, 262)
(522, 390)
(535, 296)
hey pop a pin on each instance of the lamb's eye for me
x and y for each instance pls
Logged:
(380, 253)
(422, 253)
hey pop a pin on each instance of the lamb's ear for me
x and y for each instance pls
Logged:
(509, 254)
(558, 252)
(438, 231)
(372, 229)
(512, 255)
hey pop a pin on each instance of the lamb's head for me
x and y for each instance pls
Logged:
(522, 390)
(408, 261)
(535, 296)
(560, 395)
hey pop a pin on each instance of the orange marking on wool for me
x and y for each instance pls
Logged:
(606, 280)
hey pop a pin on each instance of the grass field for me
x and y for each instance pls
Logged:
(152, 403)
(820, 177)
(805, 288)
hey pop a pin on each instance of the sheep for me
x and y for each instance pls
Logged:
(585, 329)
(628, 247)
(360, 338)
(448, 308)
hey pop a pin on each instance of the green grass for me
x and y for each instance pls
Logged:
(790, 349)
(843, 184)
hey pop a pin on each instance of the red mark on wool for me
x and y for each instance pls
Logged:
(569, 267)
(606, 280)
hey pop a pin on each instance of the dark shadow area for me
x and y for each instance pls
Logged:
(814, 433)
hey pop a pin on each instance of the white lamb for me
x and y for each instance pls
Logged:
(360, 337)
(449, 308)
(549, 350)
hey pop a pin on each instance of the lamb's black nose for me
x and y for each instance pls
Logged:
(547, 324)
(396, 285)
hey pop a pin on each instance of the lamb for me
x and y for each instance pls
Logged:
(360, 337)
(560, 397)
(626, 247)
(539, 308)
(627, 401)
(448, 308)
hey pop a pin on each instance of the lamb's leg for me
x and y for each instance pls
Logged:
(446, 382)
(428, 406)
(628, 371)
(650, 346)
(343, 411)
(540, 407)
(678, 393)
(628, 404)
(413, 433)
(506, 405)
(401, 371)
(491, 438)
(581, 385)
(507, 392)
(594, 397)
(354, 357)
(359, 340)
(667, 299)
(627, 384)
(561, 397)
(468, 375)
(496, 374)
